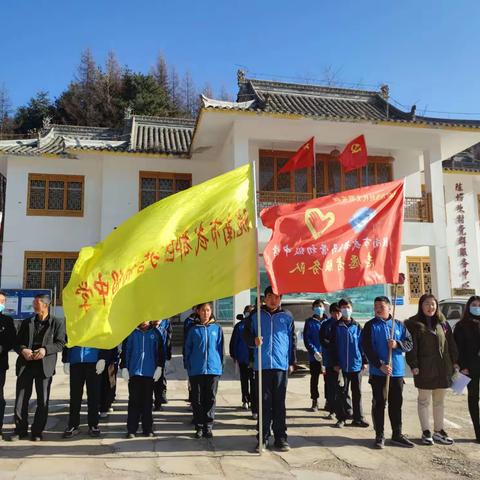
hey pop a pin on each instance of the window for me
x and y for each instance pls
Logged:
(330, 176)
(419, 277)
(55, 195)
(48, 270)
(157, 185)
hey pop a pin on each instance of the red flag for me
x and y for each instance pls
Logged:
(303, 158)
(349, 239)
(354, 155)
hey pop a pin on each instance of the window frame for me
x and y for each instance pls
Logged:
(322, 160)
(46, 212)
(44, 256)
(160, 175)
(422, 261)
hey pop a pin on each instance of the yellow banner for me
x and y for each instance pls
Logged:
(191, 247)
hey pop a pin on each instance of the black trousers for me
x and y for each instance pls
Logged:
(81, 374)
(3, 374)
(247, 382)
(274, 391)
(353, 380)
(395, 401)
(140, 397)
(204, 397)
(108, 387)
(160, 390)
(32, 375)
(331, 382)
(254, 393)
(315, 372)
(473, 397)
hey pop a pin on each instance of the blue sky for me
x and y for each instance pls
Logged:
(426, 50)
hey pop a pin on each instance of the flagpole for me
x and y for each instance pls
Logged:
(314, 171)
(259, 315)
(392, 333)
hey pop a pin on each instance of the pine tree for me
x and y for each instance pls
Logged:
(160, 72)
(110, 102)
(30, 118)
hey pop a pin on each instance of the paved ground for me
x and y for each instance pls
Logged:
(319, 451)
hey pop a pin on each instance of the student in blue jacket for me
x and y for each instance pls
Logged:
(347, 356)
(187, 323)
(376, 342)
(141, 363)
(241, 353)
(311, 339)
(84, 365)
(204, 362)
(164, 327)
(278, 342)
(331, 375)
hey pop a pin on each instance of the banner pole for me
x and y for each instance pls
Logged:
(259, 315)
(392, 333)
(314, 170)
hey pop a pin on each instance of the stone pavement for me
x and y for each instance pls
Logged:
(319, 451)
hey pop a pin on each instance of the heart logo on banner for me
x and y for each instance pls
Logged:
(318, 222)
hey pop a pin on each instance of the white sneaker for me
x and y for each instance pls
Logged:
(427, 438)
(103, 414)
(442, 437)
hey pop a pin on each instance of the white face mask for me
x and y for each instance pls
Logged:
(346, 312)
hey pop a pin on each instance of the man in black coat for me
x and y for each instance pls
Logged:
(7, 340)
(39, 340)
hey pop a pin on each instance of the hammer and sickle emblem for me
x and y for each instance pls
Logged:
(356, 148)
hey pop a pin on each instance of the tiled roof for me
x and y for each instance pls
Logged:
(328, 103)
(161, 135)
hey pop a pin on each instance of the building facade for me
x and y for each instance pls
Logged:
(73, 185)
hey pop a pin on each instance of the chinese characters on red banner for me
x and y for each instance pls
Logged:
(338, 241)
(461, 235)
(217, 233)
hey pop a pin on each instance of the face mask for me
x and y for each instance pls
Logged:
(2, 307)
(318, 311)
(346, 312)
(475, 311)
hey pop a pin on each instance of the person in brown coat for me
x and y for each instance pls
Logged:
(432, 360)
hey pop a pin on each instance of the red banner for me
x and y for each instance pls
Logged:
(349, 239)
(354, 155)
(304, 157)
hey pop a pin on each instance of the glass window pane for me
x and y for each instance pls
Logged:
(74, 196)
(148, 184)
(53, 264)
(165, 187)
(224, 309)
(52, 280)
(370, 179)
(351, 180)
(283, 180)
(300, 180)
(321, 177)
(266, 174)
(34, 264)
(333, 176)
(33, 280)
(182, 184)
(383, 172)
(147, 198)
(55, 195)
(37, 194)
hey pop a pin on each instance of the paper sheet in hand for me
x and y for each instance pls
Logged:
(459, 382)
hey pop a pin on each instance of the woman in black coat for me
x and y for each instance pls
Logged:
(467, 337)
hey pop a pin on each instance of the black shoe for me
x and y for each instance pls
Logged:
(264, 446)
(36, 437)
(427, 438)
(359, 423)
(71, 432)
(198, 432)
(94, 432)
(282, 445)
(402, 441)
(130, 435)
(379, 443)
(314, 407)
(207, 433)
